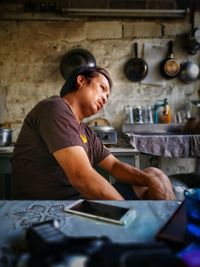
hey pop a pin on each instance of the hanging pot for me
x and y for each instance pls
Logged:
(75, 58)
(170, 67)
(191, 40)
(189, 72)
(136, 69)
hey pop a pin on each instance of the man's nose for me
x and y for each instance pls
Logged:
(104, 98)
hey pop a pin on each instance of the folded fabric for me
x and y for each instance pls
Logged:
(195, 145)
(165, 145)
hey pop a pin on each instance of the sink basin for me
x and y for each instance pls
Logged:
(148, 129)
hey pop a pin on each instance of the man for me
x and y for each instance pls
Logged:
(56, 152)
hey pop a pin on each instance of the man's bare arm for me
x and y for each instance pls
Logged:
(82, 176)
(150, 183)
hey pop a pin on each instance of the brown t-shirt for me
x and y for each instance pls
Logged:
(50, 126)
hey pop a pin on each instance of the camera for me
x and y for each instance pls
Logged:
(50, 247)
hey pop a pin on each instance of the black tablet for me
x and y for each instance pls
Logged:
(174, 229)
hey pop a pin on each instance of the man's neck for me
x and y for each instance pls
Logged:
(73, 104)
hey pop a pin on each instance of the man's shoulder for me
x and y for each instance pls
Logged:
(53, 101)
(48, 107)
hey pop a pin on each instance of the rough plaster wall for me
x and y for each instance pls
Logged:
(31, 52)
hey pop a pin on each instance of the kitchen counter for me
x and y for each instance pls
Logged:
(123, 150)
(113, 149)
(6, 150)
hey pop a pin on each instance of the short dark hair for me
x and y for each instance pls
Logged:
(88, 72)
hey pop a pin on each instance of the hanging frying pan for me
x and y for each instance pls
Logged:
(170, 67)
(75, 58)
(136, 69)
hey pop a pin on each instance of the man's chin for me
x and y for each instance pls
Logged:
(93, 112)
(96, 110)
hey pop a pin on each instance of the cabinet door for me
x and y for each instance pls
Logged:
(5, 165)
(5, 176)
(127, 159)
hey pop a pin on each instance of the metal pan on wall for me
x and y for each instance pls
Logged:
(136, 69)
(189, 72)
(75, 58)
(170, 67)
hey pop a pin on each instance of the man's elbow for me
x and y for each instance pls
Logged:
(82, 183)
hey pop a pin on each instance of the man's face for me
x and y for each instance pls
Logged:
(94, 94)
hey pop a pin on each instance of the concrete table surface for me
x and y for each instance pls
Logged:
(17, 216)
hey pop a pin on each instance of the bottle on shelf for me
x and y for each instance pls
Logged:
(162, 112)
(166, 112)
(158, 107)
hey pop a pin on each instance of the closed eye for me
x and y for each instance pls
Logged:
(105, 89)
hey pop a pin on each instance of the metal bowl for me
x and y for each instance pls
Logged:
(189, 72)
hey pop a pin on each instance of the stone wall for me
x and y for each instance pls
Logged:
(31, 52)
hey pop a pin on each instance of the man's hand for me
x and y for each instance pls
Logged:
(149, 183)
(159, 186)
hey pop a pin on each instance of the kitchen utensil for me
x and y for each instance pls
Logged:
(99, 122)
(189, 72)
(136, 69)
(196, 102)
(192, 41)
(128, 114)
(5, 136)
(148, 114)
(170, 67)
(75, 58)
(138, 118)
(105, 132)
(105, 128)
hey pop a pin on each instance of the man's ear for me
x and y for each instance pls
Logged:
(80, 81)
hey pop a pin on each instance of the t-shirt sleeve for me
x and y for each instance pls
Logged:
(58, 127)
(99, 151)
